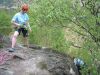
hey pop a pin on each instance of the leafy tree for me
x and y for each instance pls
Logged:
(85, 14)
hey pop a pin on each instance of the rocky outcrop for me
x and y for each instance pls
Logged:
(36, 61)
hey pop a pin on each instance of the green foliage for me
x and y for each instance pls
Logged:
(49, 37)
(5, 26)
(49, 12)
(86, 17)
(46, 21)
(48, 17)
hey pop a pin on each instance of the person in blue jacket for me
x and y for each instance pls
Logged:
(79, 63)
(20, 22)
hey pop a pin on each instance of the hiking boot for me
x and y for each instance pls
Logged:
(11, 49)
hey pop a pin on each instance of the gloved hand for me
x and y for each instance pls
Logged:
(23, 25)
(18, 25)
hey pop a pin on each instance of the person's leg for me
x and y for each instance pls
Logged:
(79, 69)
(26, 41)
(14, 38)
(25, 37)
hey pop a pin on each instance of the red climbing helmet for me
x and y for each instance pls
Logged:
(25, 7)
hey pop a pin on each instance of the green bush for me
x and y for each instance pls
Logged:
(48, 37)
(5, 26)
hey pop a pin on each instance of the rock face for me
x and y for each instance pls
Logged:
(4, 41)
(38, 61)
